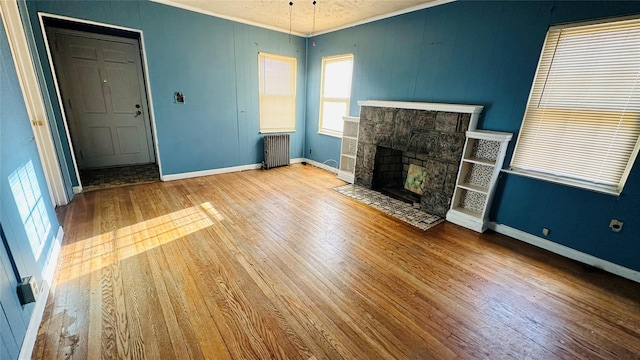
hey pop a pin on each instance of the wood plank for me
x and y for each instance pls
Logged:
(275, 264)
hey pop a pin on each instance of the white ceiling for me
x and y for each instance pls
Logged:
(329, 14)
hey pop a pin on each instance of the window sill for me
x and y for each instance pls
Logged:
(330, 133)
(605, 189)
(276, 131)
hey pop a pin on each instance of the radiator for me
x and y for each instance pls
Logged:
(276, 151)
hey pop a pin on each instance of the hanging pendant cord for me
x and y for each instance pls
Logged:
(313, 29)
(290, 6)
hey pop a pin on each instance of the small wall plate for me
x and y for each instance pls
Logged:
(616, 225)
(28, 290)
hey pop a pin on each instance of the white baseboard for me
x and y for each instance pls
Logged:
(38, 311)
(241, 168)
(210, 172)
(566, 251)
(77, 190)
(321, 165)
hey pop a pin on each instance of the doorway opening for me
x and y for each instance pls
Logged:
(102, 91)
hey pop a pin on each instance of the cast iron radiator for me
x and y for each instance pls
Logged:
(276, 151)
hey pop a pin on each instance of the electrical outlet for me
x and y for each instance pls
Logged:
(545, 231)
(616, 225)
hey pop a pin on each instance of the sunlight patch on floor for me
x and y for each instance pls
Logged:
(106, 249)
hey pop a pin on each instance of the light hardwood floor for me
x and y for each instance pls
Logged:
(275, 264)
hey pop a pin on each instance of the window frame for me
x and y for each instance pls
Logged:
(347, 101)
(549, 175)
(263, 99)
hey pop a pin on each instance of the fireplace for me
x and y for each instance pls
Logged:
(395, 135)
(387, 169)
(390, 171)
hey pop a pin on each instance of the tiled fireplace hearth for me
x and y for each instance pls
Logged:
(424, 134)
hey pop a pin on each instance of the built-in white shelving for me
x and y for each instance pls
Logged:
(349, 149)
(482, 159)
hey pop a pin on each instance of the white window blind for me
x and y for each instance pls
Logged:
(277, 85)
(582, 121)
(335, 92)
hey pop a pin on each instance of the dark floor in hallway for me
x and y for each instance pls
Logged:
(97, 179)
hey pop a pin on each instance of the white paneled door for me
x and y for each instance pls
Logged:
(102, 87)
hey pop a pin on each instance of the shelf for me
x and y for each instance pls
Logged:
(489, 135)
(349, 152)
(479, 189)
(472, 213)
(350, 127)
(348, 149)
(484, 153)
(349, 146)
(480, 161)
(467, 219)
(470, 200)
(476, 176)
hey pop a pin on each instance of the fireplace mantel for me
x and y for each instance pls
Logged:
(474, 110)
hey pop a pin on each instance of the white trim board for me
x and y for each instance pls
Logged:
(459, 108)
(566, 251)
(32, 94)
(38, 311)
(320, 165)
(231, 169)
(193, 174)
(474, 110)
(143, 56)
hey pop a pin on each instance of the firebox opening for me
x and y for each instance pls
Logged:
(390, 174)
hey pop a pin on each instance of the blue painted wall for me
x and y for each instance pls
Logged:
(214, 62)
(474, 52)
(18, 152)
(483, 52)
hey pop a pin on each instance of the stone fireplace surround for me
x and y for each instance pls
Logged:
(432, 134)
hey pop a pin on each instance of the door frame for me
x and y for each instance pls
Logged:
(147, 86)
(33, 98)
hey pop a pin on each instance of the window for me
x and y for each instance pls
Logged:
(335, 92)
(277, 93)
(582, 121)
